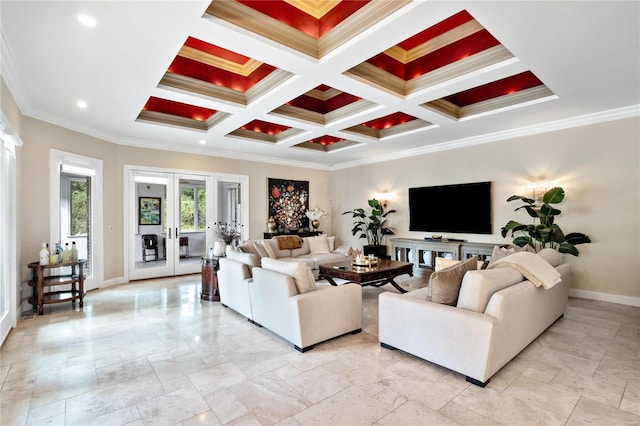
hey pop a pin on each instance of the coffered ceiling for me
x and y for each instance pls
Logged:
(330, 83)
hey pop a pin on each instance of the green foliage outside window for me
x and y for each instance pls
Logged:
(193, 203)
(79, 207)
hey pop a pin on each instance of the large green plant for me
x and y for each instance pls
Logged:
(371, 226)
(545, 233)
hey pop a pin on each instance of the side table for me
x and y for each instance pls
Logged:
(210, 291)
(38, 282)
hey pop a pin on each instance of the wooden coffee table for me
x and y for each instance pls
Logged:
(378, 275)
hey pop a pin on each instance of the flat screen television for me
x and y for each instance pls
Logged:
(463, 208)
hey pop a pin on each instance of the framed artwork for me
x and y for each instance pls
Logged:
(288, 203)
(149, 210)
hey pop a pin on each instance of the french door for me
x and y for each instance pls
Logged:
(168, 215)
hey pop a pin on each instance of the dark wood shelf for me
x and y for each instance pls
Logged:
(40, 297)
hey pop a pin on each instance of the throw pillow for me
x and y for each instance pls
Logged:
(300, 272)
(331, 241)
(445, 284)
(344, 250)
(500, 252)
(249, 248)
(552, 256)
(318, 244)
(260, 250)
(267, 249)
(442, 263)
(246, 258)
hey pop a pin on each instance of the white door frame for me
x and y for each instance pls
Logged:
(90, 167)
(130, 210)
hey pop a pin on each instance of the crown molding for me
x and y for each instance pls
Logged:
(200, 150)
(550, 126)
(10, 76)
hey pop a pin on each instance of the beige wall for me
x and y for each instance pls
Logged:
(598, 166)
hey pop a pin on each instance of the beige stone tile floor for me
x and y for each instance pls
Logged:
(151, 352)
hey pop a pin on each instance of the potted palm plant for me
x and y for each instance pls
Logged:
(545, 233)
(372, 226)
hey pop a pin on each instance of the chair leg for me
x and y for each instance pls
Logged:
(384, 345)
(303, 350)
(476, 382)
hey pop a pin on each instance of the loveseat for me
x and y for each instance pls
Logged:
(282, 296)
(497, 314)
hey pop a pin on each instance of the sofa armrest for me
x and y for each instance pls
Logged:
(328, 312)
(455, 338)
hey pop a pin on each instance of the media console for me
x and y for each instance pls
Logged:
(423, 252)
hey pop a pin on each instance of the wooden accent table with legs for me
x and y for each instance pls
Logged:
(378, 275)
(40, 298)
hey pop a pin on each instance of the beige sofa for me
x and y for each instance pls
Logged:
(274, 300)
(312, 251)
(498, 314)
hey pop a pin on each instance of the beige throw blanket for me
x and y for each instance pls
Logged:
(533, 267)
(287, 242)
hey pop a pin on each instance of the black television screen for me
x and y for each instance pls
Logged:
(463, 208)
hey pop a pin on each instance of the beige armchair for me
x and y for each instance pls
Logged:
(308, 318)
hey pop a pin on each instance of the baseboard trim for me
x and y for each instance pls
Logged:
(605, 297)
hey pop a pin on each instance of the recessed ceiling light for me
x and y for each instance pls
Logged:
(87, 20)
(202, 142)
(81, 104)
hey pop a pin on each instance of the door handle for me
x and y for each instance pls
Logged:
(176, 232)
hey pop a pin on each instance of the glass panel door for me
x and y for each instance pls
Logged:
(151, 230)
(191, 227)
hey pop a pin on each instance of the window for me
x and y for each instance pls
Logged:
(193, 203)
(79, 208)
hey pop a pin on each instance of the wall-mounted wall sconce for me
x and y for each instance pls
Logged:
(539, 188)
(384, 198)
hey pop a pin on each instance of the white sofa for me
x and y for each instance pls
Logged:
(271, 299)
(303, 254)
(308, 318)
(498, 314)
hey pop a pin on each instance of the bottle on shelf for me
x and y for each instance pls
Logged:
(44, 254)
(66, 254)
(74, 252)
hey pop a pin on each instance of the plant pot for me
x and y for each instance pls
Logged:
(378, 251)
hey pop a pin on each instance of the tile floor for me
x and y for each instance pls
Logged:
(151, 352)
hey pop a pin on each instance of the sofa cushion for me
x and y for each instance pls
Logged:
(302, 250)
(331, 241)
(299, 271)
(445, 284)
(318, 244)
(478, 287)
(343, 250)
(273, 248)
(322, 258)
(249, 259)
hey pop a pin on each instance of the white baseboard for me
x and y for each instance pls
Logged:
(605, 297)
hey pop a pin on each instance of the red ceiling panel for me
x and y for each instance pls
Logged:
(326, 140)
(505, 86)
(302, 21)
(217, 76)
(216, 51)
(436, 30)
(323, 106)
(389, 121)
(179, 109)
(260, 126)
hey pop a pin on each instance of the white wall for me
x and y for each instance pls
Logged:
(598, 166)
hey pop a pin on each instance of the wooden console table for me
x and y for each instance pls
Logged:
(38, 282)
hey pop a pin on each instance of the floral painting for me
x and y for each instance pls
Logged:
(149, 211)
(288, 203)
